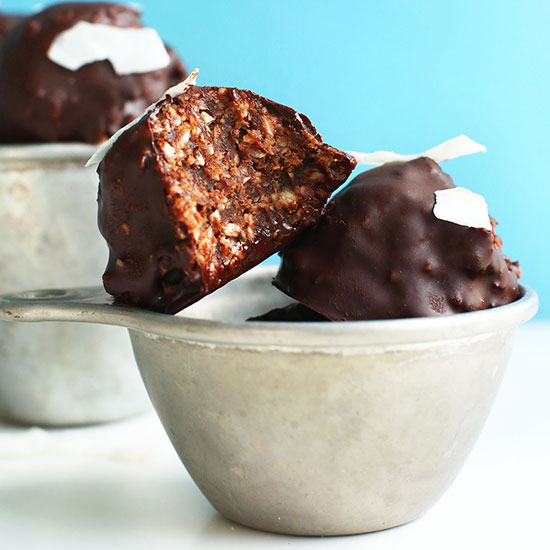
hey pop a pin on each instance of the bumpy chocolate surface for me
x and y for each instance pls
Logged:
(206, 186)
(7, 22)
(42, 101)
(380, 253)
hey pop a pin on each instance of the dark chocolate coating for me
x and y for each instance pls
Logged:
(293, 313)
(152, 261)
(380, 253)
(42, 101)
(7, 22)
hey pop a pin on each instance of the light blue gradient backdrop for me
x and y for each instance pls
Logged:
(400, 75)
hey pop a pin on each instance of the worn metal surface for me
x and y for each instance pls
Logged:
(57, 373)
(314, 428)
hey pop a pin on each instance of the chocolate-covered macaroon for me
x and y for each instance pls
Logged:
(7, 22)
(380, 252)
(41, 100)
(205, 186)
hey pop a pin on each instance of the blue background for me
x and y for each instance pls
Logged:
(399, 75)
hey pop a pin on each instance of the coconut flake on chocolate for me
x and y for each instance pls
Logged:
(174, 91)
(463, 207)
(129, 50)
(456, 147)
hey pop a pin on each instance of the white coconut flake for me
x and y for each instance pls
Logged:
(129, 50)
(174, 91)
(463, 207)
(178, 89)
(450, 149)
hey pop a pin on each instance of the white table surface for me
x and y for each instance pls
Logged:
(122, 486)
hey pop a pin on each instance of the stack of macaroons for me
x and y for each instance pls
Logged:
(227, 178)
(380, 252)
(43, 101)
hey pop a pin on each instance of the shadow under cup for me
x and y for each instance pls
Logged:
(58, 373)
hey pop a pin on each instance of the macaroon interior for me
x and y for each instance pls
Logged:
(236, 171)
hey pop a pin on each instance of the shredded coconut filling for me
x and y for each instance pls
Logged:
(174, 91)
